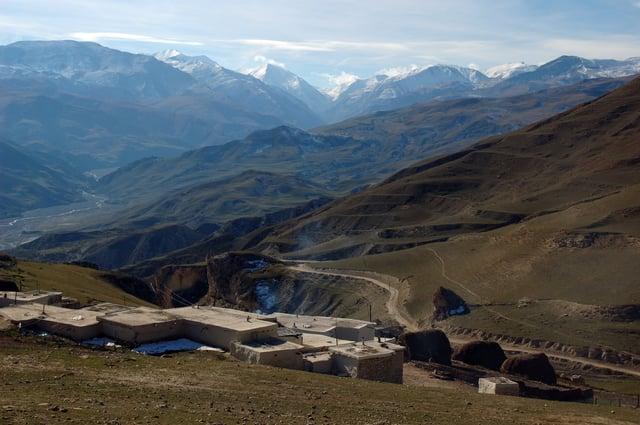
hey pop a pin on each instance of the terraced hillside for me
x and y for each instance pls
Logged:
(551, 211)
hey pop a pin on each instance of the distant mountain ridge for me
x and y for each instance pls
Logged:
(165, 104)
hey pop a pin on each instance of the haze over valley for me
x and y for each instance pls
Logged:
(490, 202)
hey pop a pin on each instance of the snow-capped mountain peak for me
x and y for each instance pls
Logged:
(277, 76)
(188, 64)
(508, 70)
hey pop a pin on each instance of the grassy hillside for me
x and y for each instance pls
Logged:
(549, 212)
(54, 384)
(87, 285)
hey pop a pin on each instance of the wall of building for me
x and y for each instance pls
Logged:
(288, 358)
(142, 334)
(222, 337)
(365, 333)
(76, 333)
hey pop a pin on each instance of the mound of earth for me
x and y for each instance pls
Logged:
(447, 303)
(487, 354)
(535, 366)
(428, 346)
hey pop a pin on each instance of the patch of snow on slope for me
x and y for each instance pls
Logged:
(509, 70)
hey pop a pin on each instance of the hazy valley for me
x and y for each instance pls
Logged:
(169, 180)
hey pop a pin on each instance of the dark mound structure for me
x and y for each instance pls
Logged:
(531, 366)
(427, 346)
(447, 303)
(481, 353)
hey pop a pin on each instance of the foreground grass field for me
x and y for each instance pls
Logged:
(47, 382)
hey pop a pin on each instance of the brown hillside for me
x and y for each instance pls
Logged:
(589, 152)
(549, 212)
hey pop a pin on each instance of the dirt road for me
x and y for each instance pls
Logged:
(394, 306)
(397, 312)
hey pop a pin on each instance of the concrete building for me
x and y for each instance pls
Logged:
(347, 329)
(377, 361)
(141, 325)
(312, 343)
(220, 327)
(40, 297)
(271, 351)
(498, 385)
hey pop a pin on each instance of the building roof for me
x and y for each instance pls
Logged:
(33, 313)
(223, 318)
(139, 316)
(30, 297)
(320, 340)
(318, 324)
(271, 345)
(369, 350)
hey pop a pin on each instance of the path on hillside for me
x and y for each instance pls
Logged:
(466, 288)
(400, 315)
(393, 305)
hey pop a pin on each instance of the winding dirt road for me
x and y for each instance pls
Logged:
(394, 307)
(397, 312)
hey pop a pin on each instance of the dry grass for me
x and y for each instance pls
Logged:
(44, 382)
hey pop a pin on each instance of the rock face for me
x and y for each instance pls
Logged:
(229, 281)
(447, 303)
(428, 346)
(481, 353)
(531, 366)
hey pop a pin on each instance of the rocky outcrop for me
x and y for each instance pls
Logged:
(230, 279)
(535, 366)
(447, 303)
(177, 286)
(487, 354)
(430, 345)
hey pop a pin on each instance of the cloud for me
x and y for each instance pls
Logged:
(283, 45)
(343, 78)
(262, 59)
(100, 36)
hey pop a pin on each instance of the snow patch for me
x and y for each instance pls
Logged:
(182, 344)
(266, 295)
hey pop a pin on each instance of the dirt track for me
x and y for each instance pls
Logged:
(399, 314)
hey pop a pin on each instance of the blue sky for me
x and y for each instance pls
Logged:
(321, 40)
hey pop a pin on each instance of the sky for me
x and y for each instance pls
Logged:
(326, 41)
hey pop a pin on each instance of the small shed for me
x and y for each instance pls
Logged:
(498, 385)
(271, 352)
(372, 360)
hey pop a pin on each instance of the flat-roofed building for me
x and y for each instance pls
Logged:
(77, 325)
(347, 329)
(377, 361)
(220, 327)
(141, 325)
(271, 352)
(8, 298)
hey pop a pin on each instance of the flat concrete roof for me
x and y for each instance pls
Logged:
(320, 340)
(223, 318)
(271, 345)
(31, 296)
(30, 312)
(104, 308)
(139, 316)
(369, 350)
(318, 324)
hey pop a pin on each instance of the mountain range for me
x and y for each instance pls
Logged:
(101, 108)
(210, 187)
